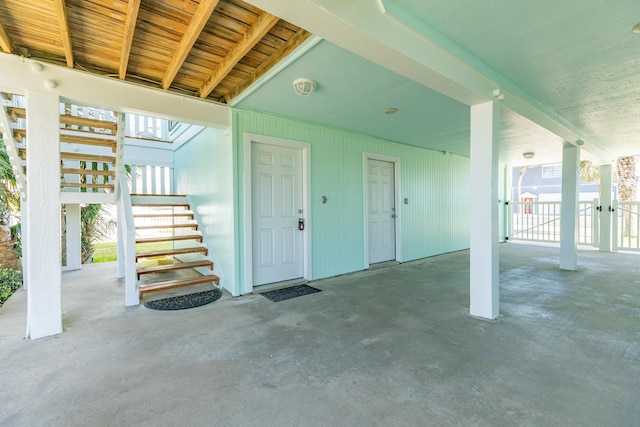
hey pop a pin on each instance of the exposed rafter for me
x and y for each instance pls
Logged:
(262, 26)
(127, 38)
(5, 41)
(198, 21)
(296, 40)
(61, 11)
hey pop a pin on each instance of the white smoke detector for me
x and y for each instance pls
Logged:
(304, 87)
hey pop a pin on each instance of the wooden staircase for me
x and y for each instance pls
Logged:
(88, 146)
(168, 219)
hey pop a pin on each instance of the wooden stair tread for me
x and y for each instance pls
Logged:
(178, 251)
(88, 157)
(179, 214)
(73, 171)
(197, 237)
(175, 266)
(80, 185)
(16, 113)
(151, 227)
(178, 283)
(87, 140)
(19, 135)
(67, 119)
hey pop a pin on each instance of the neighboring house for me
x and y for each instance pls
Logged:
(544, 182)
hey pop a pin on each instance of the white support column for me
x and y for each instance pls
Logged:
(120, 232)
(44, 306)
(605, 203)
(569, 208)
(484, 283)
(24, 234)
(74, 244)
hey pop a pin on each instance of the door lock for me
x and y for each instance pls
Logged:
(300, 224)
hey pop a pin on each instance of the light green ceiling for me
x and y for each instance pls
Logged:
(577, 58)
(352, 94)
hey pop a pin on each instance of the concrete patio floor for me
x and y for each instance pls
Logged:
(390, 347)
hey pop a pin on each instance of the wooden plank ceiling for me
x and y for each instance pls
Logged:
(210, 49)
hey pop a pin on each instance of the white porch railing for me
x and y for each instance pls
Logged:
(626, 223)
(147, 127)
(149, 179)
(540, 222)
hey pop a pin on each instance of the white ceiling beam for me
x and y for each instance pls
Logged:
(5, 41)
(133, 8)
(198, 21)
(263, 24)
(16, 76)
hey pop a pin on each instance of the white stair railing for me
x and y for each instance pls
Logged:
(150, 179)
(127, 242)
(145, 127)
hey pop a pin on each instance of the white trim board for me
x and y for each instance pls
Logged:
(365, 193)
(250, 138)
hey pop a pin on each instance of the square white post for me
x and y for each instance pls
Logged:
(25, 242)
(484, 283)
(74, 241)
(569, 208)
(44, 305)
(605, 203)
(120, 231)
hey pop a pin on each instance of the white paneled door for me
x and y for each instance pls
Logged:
(276, 213)
(382, 211)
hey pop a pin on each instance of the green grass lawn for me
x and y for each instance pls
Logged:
(106, 251)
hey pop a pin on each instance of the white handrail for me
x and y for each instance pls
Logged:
(127, 242)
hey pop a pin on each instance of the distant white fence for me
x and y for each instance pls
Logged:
(626, 223)
(540, 222)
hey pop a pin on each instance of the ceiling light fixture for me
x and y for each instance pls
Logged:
(390, 110)
(579, 142)
(304, 86)
(528, 155)
(636, 29)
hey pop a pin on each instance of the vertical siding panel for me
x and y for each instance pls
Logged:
(435, 220)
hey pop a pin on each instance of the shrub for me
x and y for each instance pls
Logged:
(10, 281)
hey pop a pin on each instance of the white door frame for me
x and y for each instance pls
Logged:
(396, 190)
(250, 138)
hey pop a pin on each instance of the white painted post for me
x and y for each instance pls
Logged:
(44, 305)
(24, 234)
(569, 207)
(120, 232)
(484, 284)
(74, 244)
(605, 202)
(128, 235)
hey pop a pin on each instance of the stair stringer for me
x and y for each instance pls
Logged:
(12, 151)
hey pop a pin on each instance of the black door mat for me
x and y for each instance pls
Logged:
(288, 293)
(183, 302)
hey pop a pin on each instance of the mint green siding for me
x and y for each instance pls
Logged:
(435, 220)
(203, 169)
